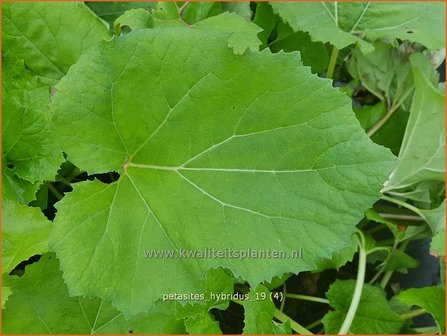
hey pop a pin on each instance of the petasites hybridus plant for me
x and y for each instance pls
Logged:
(136, 127)
(210, 154)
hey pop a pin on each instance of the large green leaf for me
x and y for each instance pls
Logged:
(25, 233)
(40, 304)
(432, 299)
(214, 150)
(29, 150)
(49, 36)
(373, 316)
(343, 23)
(422, 155)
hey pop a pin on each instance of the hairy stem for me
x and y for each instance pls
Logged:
(358, 288)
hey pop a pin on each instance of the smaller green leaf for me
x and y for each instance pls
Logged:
(422, 194)
(437, 245)
(219, 286)
(313, 54)
(243, 33)
(276, 281)
(319, 21)
(282, 328)
(385, 72)
(374, 315)
(110, 11)
(25, 233)
(16, 189)
(346, 23)
(6, 292)
(134, 19)
(167, 14)
(432, 299)
(238, 7)
(401, 261)
(373, 215)
(40, 304)
(368, 115)
(28, 144)
(435, 218)
(422, 156)
(50, 36)
(198, 11)
(259, 311)
(267, 20)
(203, 324)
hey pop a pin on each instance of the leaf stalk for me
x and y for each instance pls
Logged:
(332, 63)
(358, 287)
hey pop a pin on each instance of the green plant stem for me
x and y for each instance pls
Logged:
(401, 217)
(279, 315)
(314, 324)
(412, 314)
(387, 116)
(402, 204)
(332, 63)
(385, 242)
(54, 191)
(181, 10)
(283, 302)
(386, 278)
(427, 330)
(385, 264)
(358, 288)
(375, 229)
(307, 298)
(380, 123)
